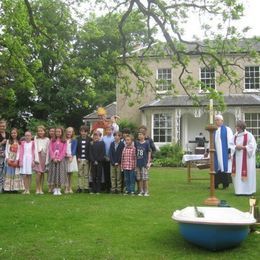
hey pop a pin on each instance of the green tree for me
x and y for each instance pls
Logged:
(99, 47)
(17, 84)
(39, 77)
(63, 89)
(52, 68)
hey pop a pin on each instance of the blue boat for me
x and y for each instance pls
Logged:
(217, 228)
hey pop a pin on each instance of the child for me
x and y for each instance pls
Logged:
(107, 139)
(51, 135)
(71, 159)
(115, 154)
(143, 152)
(128, 164)
(58, 169)
(3, 138)
(13, 180)
(83, 159)
(125, 133)
(97, 155)
(26, 160)
(41, 157)
(143, 129)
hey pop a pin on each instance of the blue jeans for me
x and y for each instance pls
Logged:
(129, 180)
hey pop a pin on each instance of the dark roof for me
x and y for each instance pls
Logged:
(186, 101)
(161, 49)
(111, 110)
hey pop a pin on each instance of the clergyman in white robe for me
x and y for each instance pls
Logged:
(223, 137)
(244, 185)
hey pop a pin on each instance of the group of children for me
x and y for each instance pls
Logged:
(113, 162)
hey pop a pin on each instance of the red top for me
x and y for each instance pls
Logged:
(128, 161)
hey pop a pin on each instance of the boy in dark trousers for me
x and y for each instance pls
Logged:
(83, 159)
(115, 155)
(97, 155)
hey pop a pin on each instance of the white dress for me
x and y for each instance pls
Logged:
(248, 186)
(73, 165)
(27, 159)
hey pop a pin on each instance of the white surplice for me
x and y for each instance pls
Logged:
(247, 186)
(218, 147)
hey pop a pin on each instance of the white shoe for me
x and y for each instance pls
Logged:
(55, 192)
(59, 192)
(146, 194)
(140, 194)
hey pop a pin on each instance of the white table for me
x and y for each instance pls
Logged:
(189, 159)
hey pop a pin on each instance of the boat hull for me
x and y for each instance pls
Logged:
(216, 229)
(213, 237)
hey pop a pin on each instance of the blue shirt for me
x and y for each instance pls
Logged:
(108, 139)
(142, 151)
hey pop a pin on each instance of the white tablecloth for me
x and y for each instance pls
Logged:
(193, 157)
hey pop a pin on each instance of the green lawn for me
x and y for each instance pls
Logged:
(106, 226)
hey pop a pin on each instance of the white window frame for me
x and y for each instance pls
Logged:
(171, 116)
(251, 90)
(215, 86)
(252, 129)
(160, 91)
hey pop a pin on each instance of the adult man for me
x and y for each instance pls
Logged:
(243, 166)
(103, 122)
(223, 137)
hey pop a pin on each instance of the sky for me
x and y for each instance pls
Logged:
(252, 16)
(251, 19)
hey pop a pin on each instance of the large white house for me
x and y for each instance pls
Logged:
(173, 118)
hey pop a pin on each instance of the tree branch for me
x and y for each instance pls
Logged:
(32, 22)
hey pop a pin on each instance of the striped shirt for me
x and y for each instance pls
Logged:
(128, 161)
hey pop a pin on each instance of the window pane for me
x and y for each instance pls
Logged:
(253, 123)
(207, 77)
(164, 79)
(252, 77)
(162, 131)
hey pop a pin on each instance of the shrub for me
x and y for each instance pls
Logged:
(33, 123)
(169, 155)
(128, 124)
(257, 158)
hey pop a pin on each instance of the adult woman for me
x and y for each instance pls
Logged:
(243, 164)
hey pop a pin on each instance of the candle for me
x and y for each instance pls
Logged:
(211, 111)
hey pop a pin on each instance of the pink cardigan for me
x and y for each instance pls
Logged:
(21, 152)
(57, 150)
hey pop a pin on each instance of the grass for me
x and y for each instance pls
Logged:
(83, 226)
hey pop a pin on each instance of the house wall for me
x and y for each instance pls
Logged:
(187, 122)
(132, 113)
